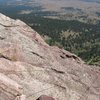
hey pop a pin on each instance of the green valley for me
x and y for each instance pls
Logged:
(80, 38)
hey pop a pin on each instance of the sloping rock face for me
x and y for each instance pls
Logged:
(41, 69)
(9, 89)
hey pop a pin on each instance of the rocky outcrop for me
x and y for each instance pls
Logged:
(41, 69)
(9, 89)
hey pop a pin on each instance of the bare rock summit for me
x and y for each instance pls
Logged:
(30, 68)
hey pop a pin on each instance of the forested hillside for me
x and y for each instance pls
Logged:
(80, 38)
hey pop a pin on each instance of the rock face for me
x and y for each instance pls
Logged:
(9, 87)
(30, 67)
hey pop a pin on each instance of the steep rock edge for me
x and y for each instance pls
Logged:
(41, 69)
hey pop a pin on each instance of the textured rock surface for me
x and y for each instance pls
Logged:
(43, 70)
(8, 88)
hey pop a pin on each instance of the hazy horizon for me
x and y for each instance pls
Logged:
(62, 7)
